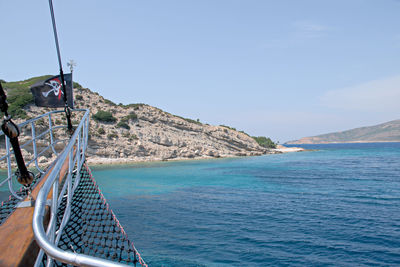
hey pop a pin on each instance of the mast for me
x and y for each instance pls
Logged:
(66, 108)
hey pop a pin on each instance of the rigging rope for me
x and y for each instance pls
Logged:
(11, 130)
(66, 107)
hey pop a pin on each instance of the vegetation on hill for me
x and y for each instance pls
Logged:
(190, 120)
(124, 125)
(19, 95)
(104, 116)
(77, 85)
(234, 129)
(109, 102)
(131, 117)
(101, 131)
(264, 141)
(231, 128)
(134, 106)
(26, 84)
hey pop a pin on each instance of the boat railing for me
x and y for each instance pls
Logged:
(68, 165)
(74, 156)
(41, 138)
(58, 161)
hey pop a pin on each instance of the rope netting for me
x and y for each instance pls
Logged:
(93, 229)
(9, 205)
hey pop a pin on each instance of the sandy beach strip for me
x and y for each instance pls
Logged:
(284, 149)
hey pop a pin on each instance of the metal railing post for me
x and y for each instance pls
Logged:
(51, 135)
(53, 219)
(9, 169)
(34, 146)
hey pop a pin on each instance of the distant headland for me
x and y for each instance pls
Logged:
(385, 132)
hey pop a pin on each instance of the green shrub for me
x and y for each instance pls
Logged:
(109, 102)
(104, 116)
(112, 135)
(101, 131)
(243, 132)
(228, 127)
(133, 137)
(190, 120)
(18, 99)
(41, 122)
(131, 117)
(122, 124)
(264, 141)
(78, 97)
(134, 106)
(77, 85)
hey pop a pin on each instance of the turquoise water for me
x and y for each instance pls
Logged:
(338, 206)
(4, 189)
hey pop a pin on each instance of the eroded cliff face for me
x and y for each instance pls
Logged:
(150, 134)
(156, 135)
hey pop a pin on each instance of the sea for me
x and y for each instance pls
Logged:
(333, 205)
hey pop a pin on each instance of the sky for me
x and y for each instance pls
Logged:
(282, 69)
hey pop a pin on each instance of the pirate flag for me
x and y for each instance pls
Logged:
(49, 93)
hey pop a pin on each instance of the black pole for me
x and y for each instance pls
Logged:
(11, 130)
(66, 108)
(23, 176)
(3, 101)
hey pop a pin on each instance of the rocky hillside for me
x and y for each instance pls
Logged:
(385, 132)
(139, 132)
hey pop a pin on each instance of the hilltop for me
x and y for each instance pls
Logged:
(385, 132)
(140, 132)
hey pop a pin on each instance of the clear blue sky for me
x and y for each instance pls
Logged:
(284, 69)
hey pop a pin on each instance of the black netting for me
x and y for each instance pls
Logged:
(8, 206)
(93, 228)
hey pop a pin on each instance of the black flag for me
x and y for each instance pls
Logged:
(49, 93)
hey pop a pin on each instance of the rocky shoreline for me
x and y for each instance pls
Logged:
(98, 161)
(43, 162)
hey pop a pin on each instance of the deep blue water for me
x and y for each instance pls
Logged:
(339, 205)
